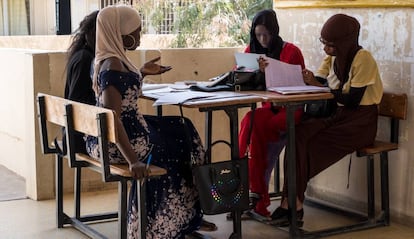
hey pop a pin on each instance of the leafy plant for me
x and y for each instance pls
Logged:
(202, 23)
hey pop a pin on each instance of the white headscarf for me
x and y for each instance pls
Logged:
(112, 23)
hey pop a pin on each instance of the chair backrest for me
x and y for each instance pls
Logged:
(77, 117)
(84, 116)
(395, 107)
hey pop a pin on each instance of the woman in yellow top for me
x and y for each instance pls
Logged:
(352, 74)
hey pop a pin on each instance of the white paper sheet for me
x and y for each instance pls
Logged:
(180, 97)
(282, 74)
(247, 60)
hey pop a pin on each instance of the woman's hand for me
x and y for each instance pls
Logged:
(138, 170)
(263, 63)
(309, 78)
(152, 68)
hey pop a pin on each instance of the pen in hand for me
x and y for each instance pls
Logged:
(147, 167)
(148, 161)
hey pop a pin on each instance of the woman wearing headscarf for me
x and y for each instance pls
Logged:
(269, 121)
(171, 200)
(352, 74)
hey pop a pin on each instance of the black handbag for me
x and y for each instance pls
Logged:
(236, 80)
(223, 186)
(247, 80)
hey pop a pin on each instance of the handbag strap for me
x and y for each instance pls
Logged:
(249, 135)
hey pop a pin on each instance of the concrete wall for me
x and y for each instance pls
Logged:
(388, 34)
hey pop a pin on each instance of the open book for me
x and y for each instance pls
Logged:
(286, 78)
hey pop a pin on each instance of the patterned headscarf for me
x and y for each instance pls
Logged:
(268, 19)
(343, 32)
(114, 22)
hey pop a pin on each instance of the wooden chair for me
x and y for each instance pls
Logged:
(98, 122)
(394, 107)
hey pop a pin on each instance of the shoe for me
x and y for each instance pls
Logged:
(244, 216)
(207, 226)
(253, 199)
(281, 217)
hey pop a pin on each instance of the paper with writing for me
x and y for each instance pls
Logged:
(287, 79)
(279, 73)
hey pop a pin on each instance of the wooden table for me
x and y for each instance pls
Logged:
(231, 106)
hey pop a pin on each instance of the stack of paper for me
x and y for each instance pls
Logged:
(171, 98)
(286, 90)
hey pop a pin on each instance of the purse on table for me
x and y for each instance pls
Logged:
(236, 80)
(247, 80)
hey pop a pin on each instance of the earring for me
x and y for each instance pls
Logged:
(133, 41)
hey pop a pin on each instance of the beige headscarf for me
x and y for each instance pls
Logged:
(112, 23)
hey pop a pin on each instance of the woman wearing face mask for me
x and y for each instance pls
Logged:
(269, 121)
(172, 206)
(352, 74)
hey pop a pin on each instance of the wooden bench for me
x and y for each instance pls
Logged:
(394, 108)
(98, 122)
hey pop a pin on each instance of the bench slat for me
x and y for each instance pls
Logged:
(121, 169)
(378, 147)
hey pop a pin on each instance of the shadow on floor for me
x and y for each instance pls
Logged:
(13, 186)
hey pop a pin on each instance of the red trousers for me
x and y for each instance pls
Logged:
(267, 125)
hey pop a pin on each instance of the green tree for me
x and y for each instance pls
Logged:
(200, 23)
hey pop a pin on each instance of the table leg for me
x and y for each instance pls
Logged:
(208, 135)
(291, 169)
(232, 113)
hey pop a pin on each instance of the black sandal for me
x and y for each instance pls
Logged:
(207, 226)
(253, 199)
(281, 217)
(244, 216)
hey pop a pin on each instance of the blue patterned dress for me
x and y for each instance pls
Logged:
(172, 204)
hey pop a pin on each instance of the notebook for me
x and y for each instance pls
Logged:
(286, 78)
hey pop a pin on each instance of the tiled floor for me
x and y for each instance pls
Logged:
(26, 218)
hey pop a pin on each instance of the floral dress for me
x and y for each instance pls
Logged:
(172, 203)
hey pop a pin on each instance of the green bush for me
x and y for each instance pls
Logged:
(202, 23)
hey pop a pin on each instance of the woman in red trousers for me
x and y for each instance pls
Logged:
(269, 121)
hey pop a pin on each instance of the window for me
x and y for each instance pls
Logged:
(14, 17)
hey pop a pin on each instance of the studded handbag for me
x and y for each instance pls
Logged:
(223, 186)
